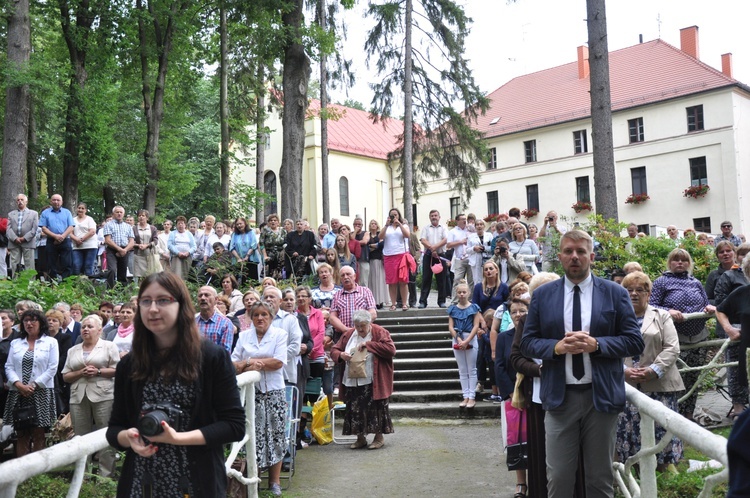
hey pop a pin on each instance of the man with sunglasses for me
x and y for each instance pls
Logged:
(726, 234)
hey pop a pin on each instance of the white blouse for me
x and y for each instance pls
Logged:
(272, 345)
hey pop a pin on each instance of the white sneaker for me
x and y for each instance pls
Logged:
(336, 391)
(480, 388)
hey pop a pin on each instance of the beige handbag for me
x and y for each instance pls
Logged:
(357, 364)
(518, 400)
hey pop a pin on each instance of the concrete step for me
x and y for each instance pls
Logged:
(425, 396)
(423, 363)
(431, 344)
(444, 410)
(424, 352)
(386, 314)
(421, 335)
(426, 384)
(399, 330)
(423, 373)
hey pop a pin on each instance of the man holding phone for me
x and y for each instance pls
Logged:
(550, 234)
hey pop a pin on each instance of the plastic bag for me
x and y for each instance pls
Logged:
(321, 423)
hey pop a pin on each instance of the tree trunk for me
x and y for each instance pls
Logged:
(76, 38)
(31, 173)
(324, 121)
(224, 113)
(605, 186)
(153, 103)
(17, 102)
(260, 140)
(408, 165)
(295, 82)
(108, 196)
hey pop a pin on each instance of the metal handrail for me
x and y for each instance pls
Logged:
(77, 450)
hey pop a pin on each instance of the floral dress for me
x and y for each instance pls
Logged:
(273, 242)
(172, 466)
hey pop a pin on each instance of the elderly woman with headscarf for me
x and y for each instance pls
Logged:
(678, 292)
(90, 371)
(367, 353)
(654, 372)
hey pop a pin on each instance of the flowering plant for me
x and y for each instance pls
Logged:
(637, 198)
(451, 223)
(696, 191)
(529, 213)
(491, 217)
(581, 206)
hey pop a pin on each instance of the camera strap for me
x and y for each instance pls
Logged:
(147, 485)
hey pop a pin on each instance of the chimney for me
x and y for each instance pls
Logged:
(583, 62)
(726, 64)
(689, 41)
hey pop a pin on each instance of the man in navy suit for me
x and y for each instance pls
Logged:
(581, 327)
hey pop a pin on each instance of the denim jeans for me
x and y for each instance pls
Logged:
(84, 261)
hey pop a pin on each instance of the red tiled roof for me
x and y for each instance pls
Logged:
(355, 133)
(642, 74)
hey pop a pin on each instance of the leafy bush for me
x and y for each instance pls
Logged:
(56, 484)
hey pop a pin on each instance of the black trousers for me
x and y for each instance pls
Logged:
(117, 264)
(427, 280)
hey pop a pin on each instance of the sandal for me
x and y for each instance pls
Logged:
(521, 494)
(393, 307)
(404, 308)
(734, 415)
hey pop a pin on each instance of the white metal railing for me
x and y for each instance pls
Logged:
(706, 442)
(77, 450)
(652, 411)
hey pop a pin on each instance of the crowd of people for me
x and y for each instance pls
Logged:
(508, 311)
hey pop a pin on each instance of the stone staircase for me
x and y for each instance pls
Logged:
(426, 383)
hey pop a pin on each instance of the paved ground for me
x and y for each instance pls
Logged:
(456, 458)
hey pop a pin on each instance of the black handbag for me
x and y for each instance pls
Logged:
(518, 454)
(24, 415)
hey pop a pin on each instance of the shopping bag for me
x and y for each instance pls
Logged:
(321, 423)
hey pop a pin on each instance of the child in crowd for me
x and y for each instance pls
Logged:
(463, 323)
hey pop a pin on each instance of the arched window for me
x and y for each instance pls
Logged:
(343, 196)
(269, 187)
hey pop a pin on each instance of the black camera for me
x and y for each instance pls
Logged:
(503, 249)
(152, 416)
(393, 217)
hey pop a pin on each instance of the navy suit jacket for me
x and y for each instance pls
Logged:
(614, 325)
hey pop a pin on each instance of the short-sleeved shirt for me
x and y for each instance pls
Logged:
(322, 298)
(345, 303)
(120, 232)
(271, 345)
(736, 305)
(217, 329)
(56, 221)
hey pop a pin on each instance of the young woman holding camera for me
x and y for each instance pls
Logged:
(188, 384)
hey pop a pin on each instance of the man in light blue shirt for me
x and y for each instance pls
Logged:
(57, 223)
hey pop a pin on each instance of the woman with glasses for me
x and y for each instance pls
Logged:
(30, 369)
(176, 374)
(654, 372)
(520, 245)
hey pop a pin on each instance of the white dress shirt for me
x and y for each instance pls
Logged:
(587, 292)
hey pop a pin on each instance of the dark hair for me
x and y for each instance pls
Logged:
(514, 212)
(180, 219)
(183, 360)
(247, 225)
(232, 279)
(106, 304)
(400, 218)
(43, 323)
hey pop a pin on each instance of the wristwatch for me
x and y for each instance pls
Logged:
(99, 372)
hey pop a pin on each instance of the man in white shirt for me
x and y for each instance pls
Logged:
(434, 237)
(457, 240)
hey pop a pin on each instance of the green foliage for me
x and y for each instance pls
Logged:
(651, 252)
(75, 289)
(56, 484)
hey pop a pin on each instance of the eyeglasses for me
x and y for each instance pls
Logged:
(162, 302)
(302, 296)
(726, 226)
(30, 319)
